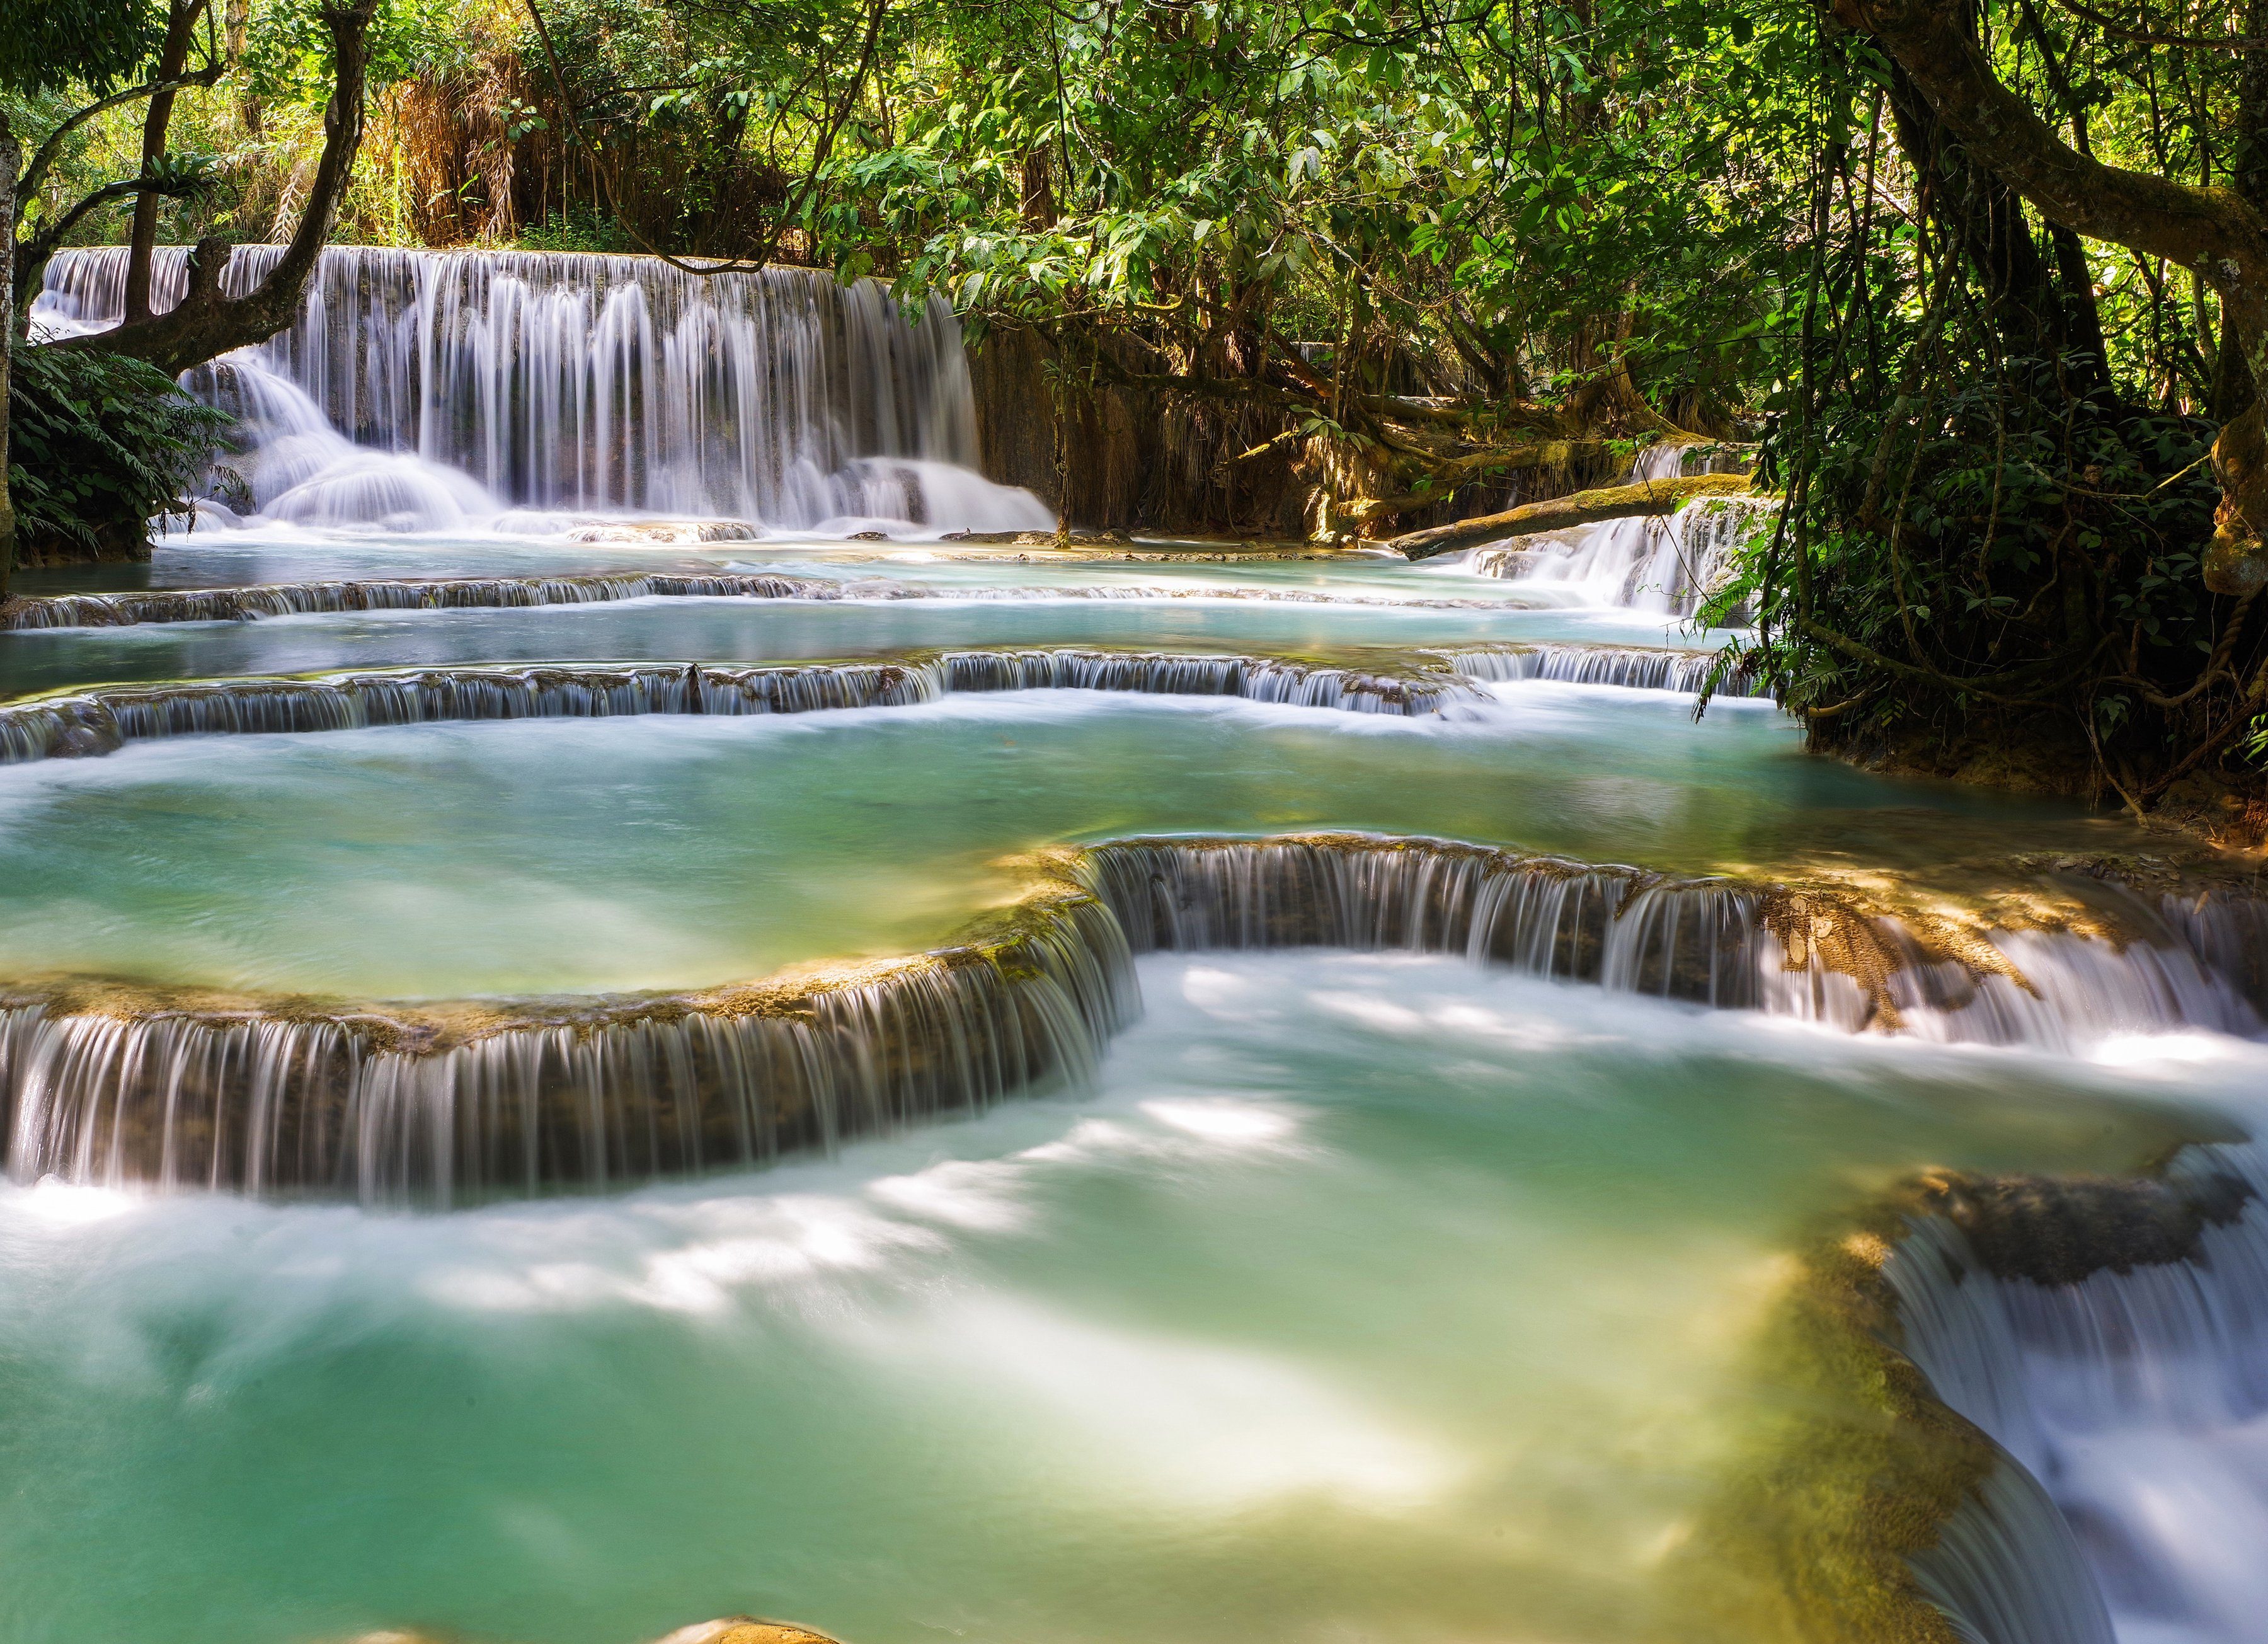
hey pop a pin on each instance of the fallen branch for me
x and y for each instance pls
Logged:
(1614, 502)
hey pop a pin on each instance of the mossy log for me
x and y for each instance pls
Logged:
(1612, 502)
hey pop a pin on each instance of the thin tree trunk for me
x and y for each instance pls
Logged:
(205, 323)
(180, 34)
(11, 159)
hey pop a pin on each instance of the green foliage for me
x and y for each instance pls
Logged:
(1992, 543)
(287, 56)
(99, 444)
(578, 228)
(2013, 544)
(49, 45)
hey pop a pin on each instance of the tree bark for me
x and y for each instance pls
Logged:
(2038, 310)
(11, 156)
(206, 323)
(1614, 502)
(2215, 232)
(2233, 388)
(141, 245)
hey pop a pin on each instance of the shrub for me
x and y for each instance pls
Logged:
(98, 444)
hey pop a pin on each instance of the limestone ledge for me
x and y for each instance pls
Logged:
(1866, 928)
(1857, 1468)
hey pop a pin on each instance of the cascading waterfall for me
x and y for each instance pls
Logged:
(102, 720)
(300, 599)
(2117, 1348)
(618, 1092)
(1615, 927)
(2007, 1570)
(444, 1105)
(1631, 668)
(1649, 565)
(1710, 940)
(425, 391)
(1668, 565)
(307, 598)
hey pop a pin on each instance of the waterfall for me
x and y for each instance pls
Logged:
(1649, 565)
(1645, 563)
(299, 598)
(391, 1111)
(427, 391)
(2113, 1338)
(81, 724)
(1633, 667)
(2007, 1570)
(1613, 925)
(303, 599)
(445, 1104)
(1710, 940)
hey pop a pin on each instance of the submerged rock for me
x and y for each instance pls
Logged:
(2060, 1230)
(724, 1630)
(745, 1630)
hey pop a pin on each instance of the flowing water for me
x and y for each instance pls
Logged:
(533, 391)
(583, 1046)
(1366, 1297)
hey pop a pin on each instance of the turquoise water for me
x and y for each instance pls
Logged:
(676, 629)
(519, 857)
(1370, 1298)
(229, 559)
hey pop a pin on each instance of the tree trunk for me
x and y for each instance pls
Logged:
(1614, 502)
(11, 158)
(2039, 310)
(180, 32)
(2233, 391)
(2216, 233)
(205, 323)
(236, 22)
(1039, 210)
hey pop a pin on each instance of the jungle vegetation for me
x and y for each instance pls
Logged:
(1978, 287)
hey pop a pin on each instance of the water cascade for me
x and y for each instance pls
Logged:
(1648, 565)
(1712, 941)
(1579, 1080)
(304, 599)
(2007, 1569)
(300, 599)
(1668, 565)
(424, 1109)
(441, 1104)
(1630, 667)
(434, 391)
(99, 721)
(2112, 1337)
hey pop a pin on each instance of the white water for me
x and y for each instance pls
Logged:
(2137, 1399)
(429, 393)
(1369, 1298)
(534, 393)
(1701, 939)
(1666, 565)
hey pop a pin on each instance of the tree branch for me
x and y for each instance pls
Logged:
(52, 148)
(2214, 231)
(2150, 37)
(205, 323)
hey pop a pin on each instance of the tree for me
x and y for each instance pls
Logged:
(11, 157)
(206, 323)
(2214, 232)
(110, 43)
